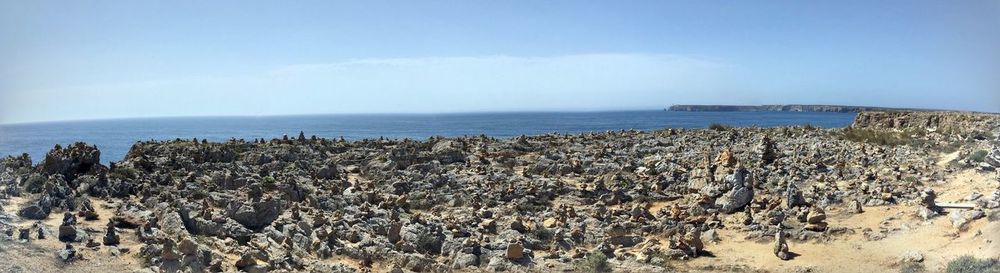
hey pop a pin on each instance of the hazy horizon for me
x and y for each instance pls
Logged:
(484, 112)
(123, 59)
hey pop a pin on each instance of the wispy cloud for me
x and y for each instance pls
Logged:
(428, 84)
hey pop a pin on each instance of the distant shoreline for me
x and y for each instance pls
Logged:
(787, 108)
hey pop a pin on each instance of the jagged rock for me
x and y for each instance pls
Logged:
(911, 256)
(781, 247)
(172, 224)
(24, 234)
(428, 239)
(131, 218)
(257, 215)
(34, 212)
(725, 159)
(856, 206)
(67, 254)
(691, 242)
(926, 213)
(793, 196)
(927, 198)
(394, 230)
(71, 233)
(168, 253)
(514, 251)
(72, 161)
(711, 236)
(739, 196)
(111, 238)
(448, 152)
(959, 219)
(464, 260)
(246, 261)
(187, 247)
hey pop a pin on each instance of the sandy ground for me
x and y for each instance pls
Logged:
(935, 239)
(40, 255)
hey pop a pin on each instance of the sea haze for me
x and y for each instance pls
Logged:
(115, 137)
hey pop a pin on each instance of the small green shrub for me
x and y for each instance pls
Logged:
(993, 216)
(661, 259)
(879, 137)
(542, 234)
(720, 127)
(978, 156)
(970, 264)
(951, 147)
(124, 173)
(911, 267)
(594, 262)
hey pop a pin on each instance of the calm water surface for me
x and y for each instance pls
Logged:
(115, 137)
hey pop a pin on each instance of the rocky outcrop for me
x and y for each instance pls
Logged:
(72, 161)
(530, 203)
(934, 121)
(784, 108)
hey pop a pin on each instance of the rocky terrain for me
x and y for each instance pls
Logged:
(786, 108)
(894, 188)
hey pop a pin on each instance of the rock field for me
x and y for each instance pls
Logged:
(627, 201)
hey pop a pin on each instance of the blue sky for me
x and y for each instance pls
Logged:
(112, 59)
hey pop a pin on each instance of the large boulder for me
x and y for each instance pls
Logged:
(255, 216)
(739, 195)
(448, 152)
(34, 212)
(72, 161)
(72, 233)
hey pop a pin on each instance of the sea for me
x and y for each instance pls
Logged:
(114, 137)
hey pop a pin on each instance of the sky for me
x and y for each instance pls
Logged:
(70, 60)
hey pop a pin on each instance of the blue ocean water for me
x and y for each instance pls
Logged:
(115, 137)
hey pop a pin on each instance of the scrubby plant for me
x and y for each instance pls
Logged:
(720, 127)
(124, 173)
(911, 267)
(970, 264)
(593, 262)
(660, 258)
(978, 156)
(950, 147)
(542, 234)
(879, 137)
(993, 216)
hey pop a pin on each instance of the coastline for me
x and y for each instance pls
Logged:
(643, 200)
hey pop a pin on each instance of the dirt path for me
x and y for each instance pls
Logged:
(945, 159)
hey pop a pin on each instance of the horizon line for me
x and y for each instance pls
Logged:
(459, 113)
(336, 114)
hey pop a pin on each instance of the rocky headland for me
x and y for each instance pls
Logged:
(893, 189)
(787, 108)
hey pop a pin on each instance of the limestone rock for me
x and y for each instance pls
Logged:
(781, 247)
(67, 254)
(514, 251)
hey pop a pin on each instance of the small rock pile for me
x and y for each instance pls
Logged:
(471, 203)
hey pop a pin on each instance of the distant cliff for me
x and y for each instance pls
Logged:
(942, 121)
(783, 108)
